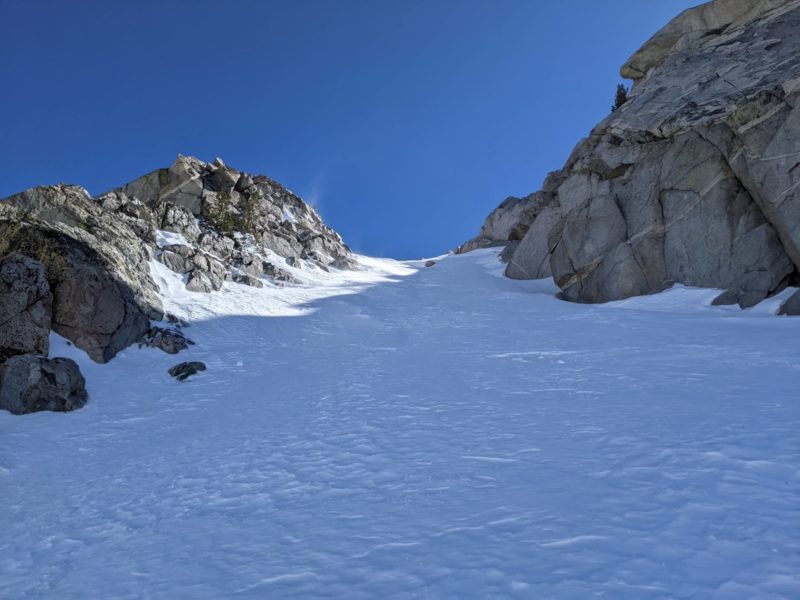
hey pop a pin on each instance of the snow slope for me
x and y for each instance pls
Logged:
(403, 432)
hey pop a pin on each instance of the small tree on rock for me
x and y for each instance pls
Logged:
(621, 97)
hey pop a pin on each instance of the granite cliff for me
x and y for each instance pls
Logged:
(694, 180)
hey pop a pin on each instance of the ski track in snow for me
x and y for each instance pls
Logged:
(405, 432)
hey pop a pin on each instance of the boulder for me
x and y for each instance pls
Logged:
(277, 274)
(184, 370)
(170, 340)
(26, 307)
(220, 246)
(344, 263)
(206, 273)
(31, 383)
(199, 282)
(250, 264)
(244, 182)
(173, 261)
(245, 279)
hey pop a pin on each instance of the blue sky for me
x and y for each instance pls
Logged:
(404, 122)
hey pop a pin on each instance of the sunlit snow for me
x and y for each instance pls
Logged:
(410, 432)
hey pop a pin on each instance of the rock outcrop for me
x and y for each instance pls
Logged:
(26, 307)
(33, 383)
(96, 251)
(96, 265)
(235, 226)
(81, 266)
(694, 180)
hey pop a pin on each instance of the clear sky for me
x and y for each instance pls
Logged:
(404, 121)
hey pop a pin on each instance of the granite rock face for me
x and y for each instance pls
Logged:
(26, 307)
(694, 180)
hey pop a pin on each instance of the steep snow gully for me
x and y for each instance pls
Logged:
(406, 432)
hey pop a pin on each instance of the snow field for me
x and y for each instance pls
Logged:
(419, 433)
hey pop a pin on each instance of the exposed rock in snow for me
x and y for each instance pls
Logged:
(33, 383)
(214, 206)
(694, 180)
(170, 340)
(184, 370)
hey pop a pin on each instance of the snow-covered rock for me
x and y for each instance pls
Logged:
(213, 207)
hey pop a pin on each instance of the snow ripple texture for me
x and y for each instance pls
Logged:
(401, 432)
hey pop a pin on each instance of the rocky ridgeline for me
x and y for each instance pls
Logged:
(694, 180)
(79, 265)
(233, 225)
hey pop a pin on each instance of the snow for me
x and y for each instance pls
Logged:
(402, 431)
(288, 216)
(168, 238)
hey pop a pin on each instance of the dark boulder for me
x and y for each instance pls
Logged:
(184, 370)
(32, 383)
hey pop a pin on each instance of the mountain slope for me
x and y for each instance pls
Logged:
(79, 265)
(411, 432)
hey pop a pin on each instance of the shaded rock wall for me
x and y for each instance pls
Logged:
(26, 307)
(96, 265)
